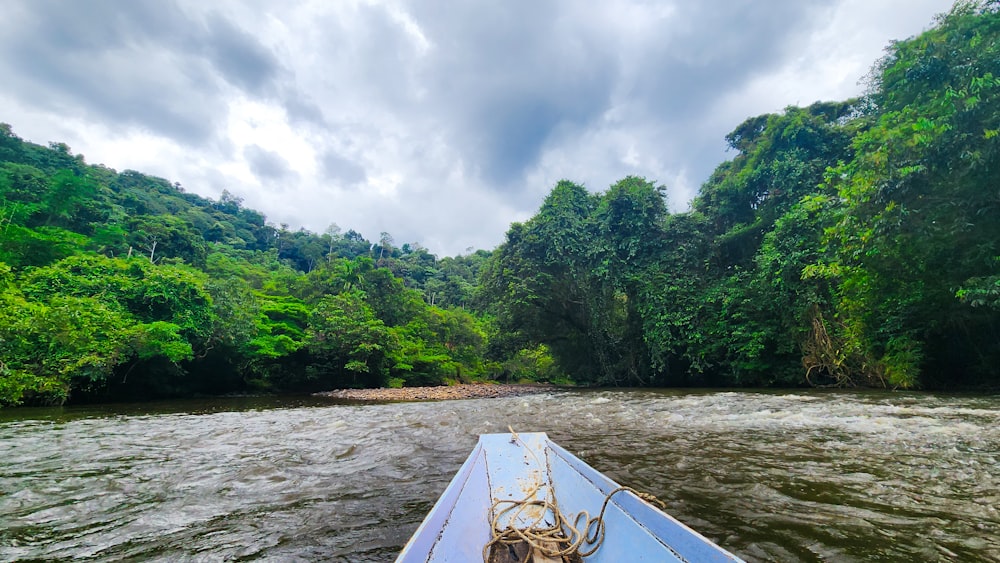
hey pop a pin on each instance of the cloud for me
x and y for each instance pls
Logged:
(98, 61)
(507, 77)
(142, 63)
(265, 164)
(301, 110)
(336, 167)
(238, 57)
(439, 122)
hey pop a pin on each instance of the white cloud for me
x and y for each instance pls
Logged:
(438, 122)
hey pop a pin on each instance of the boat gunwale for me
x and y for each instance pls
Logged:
(685, 543)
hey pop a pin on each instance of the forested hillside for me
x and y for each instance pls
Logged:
(847, 243)
(121, 285)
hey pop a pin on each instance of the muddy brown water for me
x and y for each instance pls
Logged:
(777, 476)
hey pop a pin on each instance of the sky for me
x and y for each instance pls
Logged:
(439, 122)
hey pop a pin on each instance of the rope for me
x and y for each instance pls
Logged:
(539, 536)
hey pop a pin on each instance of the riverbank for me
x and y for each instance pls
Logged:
(442, 393)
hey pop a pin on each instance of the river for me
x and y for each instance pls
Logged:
(774, 476)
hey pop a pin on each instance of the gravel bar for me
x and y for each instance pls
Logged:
(443, 393)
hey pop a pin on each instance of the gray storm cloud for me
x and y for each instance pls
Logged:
(436, 121)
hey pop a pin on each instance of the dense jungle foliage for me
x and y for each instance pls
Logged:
(122, 286)
(852, 243)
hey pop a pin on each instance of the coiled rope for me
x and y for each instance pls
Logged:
(565, 533)
(565, 538)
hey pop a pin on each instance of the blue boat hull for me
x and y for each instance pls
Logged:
(506, 468)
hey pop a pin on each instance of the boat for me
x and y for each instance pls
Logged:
(521, 497)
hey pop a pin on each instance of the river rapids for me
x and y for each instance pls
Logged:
(772, 476)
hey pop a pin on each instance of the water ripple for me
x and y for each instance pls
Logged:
(804, 476)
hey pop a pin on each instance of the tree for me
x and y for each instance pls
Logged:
(169, 293)
(631, 217)
(23, 247)
(542, 284)
(67, 193)
(159, 236)
(921, 220)
(348, 344)
(331, 235)
(385, 243)
(10, 144)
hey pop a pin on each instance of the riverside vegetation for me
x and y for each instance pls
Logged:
(848, 243)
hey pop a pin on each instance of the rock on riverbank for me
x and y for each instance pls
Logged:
(465, 391)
